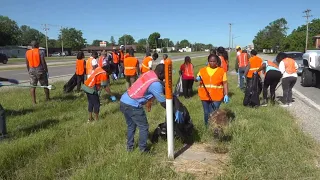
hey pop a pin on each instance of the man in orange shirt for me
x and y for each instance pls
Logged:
(121, 57)
(93, 86)
(38, 70)
(131, 68)
(115, 60)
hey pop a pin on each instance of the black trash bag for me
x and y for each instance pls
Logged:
(252, 93)
(182, 131)
(178, 90)
(69, 86)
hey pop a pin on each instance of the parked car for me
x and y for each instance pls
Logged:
(3, 58)
(297, 56)
(55, 54)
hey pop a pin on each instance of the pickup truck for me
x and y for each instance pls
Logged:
(310, 76)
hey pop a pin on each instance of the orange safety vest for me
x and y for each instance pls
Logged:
(243, 60)
(100, 61)
(255, 64)
(33, 57)
(93, 81)
(89, 66)
(188, 70)
(115, 57)
(214, 85)
(145, 64)
(130, 66)
(289, 65)
(224, 64)
(127, 55)
(80, 67)
(121, 56)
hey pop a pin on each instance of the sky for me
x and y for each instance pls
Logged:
(205, 21)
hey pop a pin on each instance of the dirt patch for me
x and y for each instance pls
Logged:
(201, 161)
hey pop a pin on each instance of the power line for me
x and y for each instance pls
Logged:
(307, 33)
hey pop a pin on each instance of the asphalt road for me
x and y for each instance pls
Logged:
(64, 70)
(310, 92)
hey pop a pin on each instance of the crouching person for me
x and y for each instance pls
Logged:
(93, 86)
(147, 86)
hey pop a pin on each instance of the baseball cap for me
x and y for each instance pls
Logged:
(94, 62)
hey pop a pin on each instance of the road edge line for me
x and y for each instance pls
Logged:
(306, 99)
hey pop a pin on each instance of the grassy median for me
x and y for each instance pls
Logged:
(53, 141)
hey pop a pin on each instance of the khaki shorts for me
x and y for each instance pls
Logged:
(38, 76)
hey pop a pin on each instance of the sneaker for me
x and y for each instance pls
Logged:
(290, 104)
(284, 105)
(264, 103)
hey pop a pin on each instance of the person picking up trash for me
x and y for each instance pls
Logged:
(213, 87)
(93, 86)
(147, 86)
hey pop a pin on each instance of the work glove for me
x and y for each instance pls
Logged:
(226, 99)
(14, 81)
(198, 78)
(113, 98)
(179, 117)
(255, 72)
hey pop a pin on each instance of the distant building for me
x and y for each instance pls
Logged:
(186, 49)
(16, 51)
(107, 48)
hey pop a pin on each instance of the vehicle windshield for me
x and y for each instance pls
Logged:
(295, 56)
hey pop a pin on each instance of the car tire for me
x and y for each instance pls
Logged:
(5, 61)
(308, 78)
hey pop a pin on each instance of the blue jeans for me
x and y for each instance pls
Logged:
(135, 117)
(208, 108)
(241, 79)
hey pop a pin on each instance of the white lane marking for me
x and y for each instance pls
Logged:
(305, 98)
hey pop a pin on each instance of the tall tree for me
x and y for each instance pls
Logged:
(126, 39)
(112, 41)
(53, 43)
(29, 34)
(184, 43)
(9, 31)
(72, 38)
(142, 41)
(153, 40)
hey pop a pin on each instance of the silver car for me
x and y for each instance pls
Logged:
(297, 56)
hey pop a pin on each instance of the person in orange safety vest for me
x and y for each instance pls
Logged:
(223, 57)
(288, 67)
(115, 62)
(252, 67)
(80, 69)
(146, 64)
(121, 57)
(131, 69)
(186, 71)
(242, 61)
(93, 86)
(38, 70)
(213, 87)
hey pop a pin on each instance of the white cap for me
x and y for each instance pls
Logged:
(94, 62)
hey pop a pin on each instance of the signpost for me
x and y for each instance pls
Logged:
(103, 44)
(169, 107)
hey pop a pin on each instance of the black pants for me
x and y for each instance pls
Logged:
(187, 87)
(80, 80)
(3, 127)
(287, 85)
(272, 79)
(116, 68)
(93, 103)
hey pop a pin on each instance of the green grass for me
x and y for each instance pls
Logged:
(53, 141)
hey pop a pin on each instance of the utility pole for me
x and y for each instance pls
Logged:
(61, 41)
(46, 30)
(307, 33)
(230, 27)
(233, 39)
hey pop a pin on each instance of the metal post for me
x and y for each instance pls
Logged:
(230, 24)
(61, 41)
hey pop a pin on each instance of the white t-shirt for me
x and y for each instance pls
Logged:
(162, 61)
(238, 53)
(150, 64)
(282, 69)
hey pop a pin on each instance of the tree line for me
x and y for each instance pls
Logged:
(274, 36)
(12, 34)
